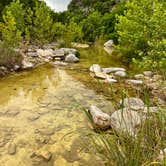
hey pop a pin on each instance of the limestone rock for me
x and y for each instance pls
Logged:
(148, 73)
(71, 58)
(112, 69)
(100, 75)
(132, 103)
(125, 120)
(95, 68)
(100, 119)
(134, 82)
(121, 73)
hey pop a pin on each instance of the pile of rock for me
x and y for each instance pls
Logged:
(108, 74)
(37, 56)
(127, 119)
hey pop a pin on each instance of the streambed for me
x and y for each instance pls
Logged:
(42, 122)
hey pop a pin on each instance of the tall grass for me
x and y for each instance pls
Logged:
(123, 149)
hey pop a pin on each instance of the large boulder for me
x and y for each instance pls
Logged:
(95, 68)
(126, 121)
(132, 103)
(71, 58)
(100, 119)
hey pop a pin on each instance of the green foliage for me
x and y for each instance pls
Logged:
(17, 11)
(11, 36)
(92, 26)
(142, 33)
(73, 32)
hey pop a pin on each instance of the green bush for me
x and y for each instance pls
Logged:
(142, 33)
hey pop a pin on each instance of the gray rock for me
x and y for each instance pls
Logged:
(132, 103)
(121, 73)
(32, 54)
(139, 76)
(112, 69)
(69, 50)
(148, 73)
(11, 149)
(125, 120)
(71, 58)
(16, 67)
(109, 46)
(26, 64)
(95, 68)
(100, 75)
(134, 82)
(100, 119)
(44, 52)
(111, 80)
(58, 53)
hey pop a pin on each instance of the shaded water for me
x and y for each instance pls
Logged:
(41, 110)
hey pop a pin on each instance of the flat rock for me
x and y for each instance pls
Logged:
(100, 75)
(112, 69)
(100, 119)
(134, 82)
(44, 154)
(120, 73)
(11, 148)
(125, 120)
(139, 76)
(12, 113)
(95, 68)
(111, 80)
(46, 131)
(33, 117)
(132, 103)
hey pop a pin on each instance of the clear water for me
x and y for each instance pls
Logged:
(41, 109)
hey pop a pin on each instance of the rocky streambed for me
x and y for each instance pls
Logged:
(42, 110)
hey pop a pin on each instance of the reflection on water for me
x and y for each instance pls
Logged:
(40, 113)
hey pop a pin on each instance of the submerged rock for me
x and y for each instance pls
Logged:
(132, 103)
(95, 68)
(11, 148)
(43, 154)
(125, 120)
(100, 119)
(71, 58)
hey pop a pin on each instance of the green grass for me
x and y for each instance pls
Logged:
(122, 149)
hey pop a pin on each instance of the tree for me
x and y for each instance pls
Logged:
(142, 32)
(92, 26)
(11, 36)
(42, 23)
(18, 12)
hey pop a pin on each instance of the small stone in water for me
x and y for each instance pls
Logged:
(11, 149)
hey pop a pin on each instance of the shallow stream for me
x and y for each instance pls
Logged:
(41, 110)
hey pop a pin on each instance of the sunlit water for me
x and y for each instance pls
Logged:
(42, 110)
